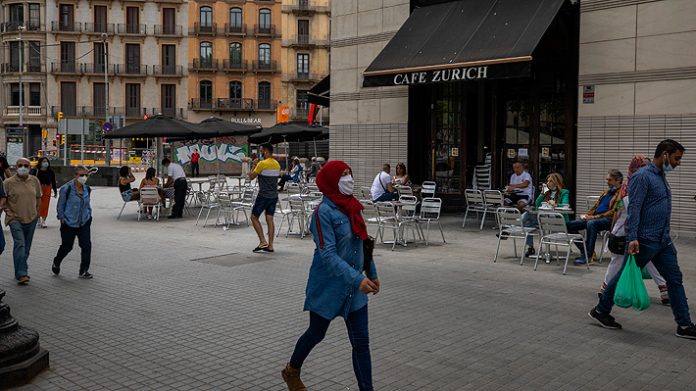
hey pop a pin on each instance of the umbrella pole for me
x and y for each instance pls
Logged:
(315, 146)
(160, 152)
(217, 156)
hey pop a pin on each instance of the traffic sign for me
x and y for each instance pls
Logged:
(107, 127)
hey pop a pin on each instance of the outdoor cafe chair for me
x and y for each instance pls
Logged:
(371, 216)
(405, 190)
(474, 203)
(428, 189)
(555, 233)
(293, 188)
(510, 227)
(388, 219)
(430, 212)
(283, 207)
(297, 212)
(493, 199)
(245, 203)
(208, 202)
(149, 198)
(365, 193)
(408, 217)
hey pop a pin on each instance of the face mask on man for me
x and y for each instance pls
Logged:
(82, 179)
(667, 166)
(345, 185)
(23, 171)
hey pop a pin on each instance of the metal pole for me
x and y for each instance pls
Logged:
(21, 72)
(104, 36)
(65, 144)
(82, 143)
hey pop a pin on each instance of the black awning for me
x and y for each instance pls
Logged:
(464, 40)
(320, 93)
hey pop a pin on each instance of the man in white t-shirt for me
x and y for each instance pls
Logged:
(520, 189)
(176, 178)
(382, 189)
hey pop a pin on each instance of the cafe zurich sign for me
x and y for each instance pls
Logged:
(473, 73)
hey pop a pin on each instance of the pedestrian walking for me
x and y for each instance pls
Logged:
(267, 172)
(75, 215)
(340, 277)
(22, 204)
(47, 179)
(648, 237)
(176, 178)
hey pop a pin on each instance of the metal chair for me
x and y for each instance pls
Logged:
(510, 226)
(428, 189)
(149, 198)
(430, 212)
(208, 202)
(299, 213)
(474, 203)
(555, 233)
(492, 199)
(408, 216)
(388, 219)
(244, 204)
(365, 193)
(371, 216)
(404, 190)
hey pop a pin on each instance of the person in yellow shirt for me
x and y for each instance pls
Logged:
(267, 172)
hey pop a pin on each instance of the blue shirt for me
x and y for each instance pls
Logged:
(650, 209)
(74, 208)
(603, 206)
(336, 272)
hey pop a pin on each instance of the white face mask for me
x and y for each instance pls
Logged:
(82, 179)
(345, 185)
(23, 171)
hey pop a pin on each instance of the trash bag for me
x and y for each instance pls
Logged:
(630, 290)
(646, 274)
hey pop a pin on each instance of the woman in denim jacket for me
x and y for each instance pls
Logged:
(337, 285)
(75, 215)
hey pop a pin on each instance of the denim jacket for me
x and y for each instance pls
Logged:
(336, 272)
(73, 209)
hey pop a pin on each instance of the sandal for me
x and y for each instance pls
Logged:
(260, 247)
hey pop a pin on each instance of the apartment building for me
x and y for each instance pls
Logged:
(305, 54)
(234, 68)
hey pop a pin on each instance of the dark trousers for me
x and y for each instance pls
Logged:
(84, 239)
(359, 339)
(664, 257)
(284, 178)
(592, 228)
(195, 170)
(179, 197)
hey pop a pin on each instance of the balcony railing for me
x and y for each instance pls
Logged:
(264, 66)
(235, 29)
(30, 111)
(9, 27)
(97, 69)
(265, 30)
(235, 104)
(305, 7)
(67, 67)
(204, 65)
(168, 70)
(66, 27)
(132, 69)
(98, 28)
(177, 112)
(201, 104)
(86, 111)
(266, 105)
(235, 66)
(207, 29)
(306, 41)
(169, 30)
(132, 29)
(135, 112)
(28, 68)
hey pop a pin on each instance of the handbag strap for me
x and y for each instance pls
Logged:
(316, 216)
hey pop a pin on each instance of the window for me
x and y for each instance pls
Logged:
(303, 66)
(236, 94)
(132, 58)
(133, 100)
(168, 21)
(264, 21)
(133, 20)
(206, 93)
(169, 99)
(98, 98)
(264, 56)
(169, 59)
(34, 17)
(34, 64)
(301, 103)
(206, 54)
(303, 31)
(15, 53)
(100, 19)
(206, 19)
(14, 94)
(68, 98)
(235, 55)
(34, 94)
(66, 15)
(16, 16)
(99, 57)
(264, 95)
(235, 20)
(67, 57)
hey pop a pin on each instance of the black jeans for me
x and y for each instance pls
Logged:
(84, 239)
(195, 170)
(179, 197)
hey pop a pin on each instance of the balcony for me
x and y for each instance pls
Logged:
(176, 112)
(170, 1)
(234, 104)
(135, 70)
(98, 69)
(11, 27)
(234, 66)
(302, 77)
(135, 112)
(235, 30)
(264, 66)
(202, 65)
(208, 29)
(7, 68)
(266, 105)
(169, 30)
(86, 111)
(201, 104)
(306, 7)
(306, 42)
(267, 31)
(132, 29)
(66, 68)
(99, 28)
(168, 70)
(66, 28)
(29, 111)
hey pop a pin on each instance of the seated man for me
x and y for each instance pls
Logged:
(382, 188)
(599, 217)
(520, 189)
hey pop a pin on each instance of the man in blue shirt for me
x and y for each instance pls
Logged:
(648, 238)
(599, 217)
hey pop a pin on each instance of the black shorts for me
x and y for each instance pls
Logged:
(514, 198)
(264, 205)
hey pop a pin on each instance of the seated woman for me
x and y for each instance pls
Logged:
(556, 196)
(401, 178)
(294, 174)
(151, 180)
(125, 178)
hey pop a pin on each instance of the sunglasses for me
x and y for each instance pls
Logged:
(23, 165)
(82, 175)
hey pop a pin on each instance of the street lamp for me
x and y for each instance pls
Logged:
(104, 37)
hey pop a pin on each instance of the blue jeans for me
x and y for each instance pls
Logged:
(664, 257)
(22, 235)
(592, 228)
(529, 220)
(388, 197)
(359, 336)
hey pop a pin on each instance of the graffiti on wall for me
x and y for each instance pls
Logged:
(223, 152)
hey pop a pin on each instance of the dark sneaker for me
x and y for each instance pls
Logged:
(605, 320)
(689, 332)
(56, 269)
(504, 237)
(581, 260)
(530, 251)
(86, 276)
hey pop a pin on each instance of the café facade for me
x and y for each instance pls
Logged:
(574, 87)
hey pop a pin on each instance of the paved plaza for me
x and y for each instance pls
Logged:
(179, 307)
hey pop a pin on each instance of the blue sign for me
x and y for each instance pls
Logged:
(107, 127)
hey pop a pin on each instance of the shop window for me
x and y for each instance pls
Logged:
(446, 165)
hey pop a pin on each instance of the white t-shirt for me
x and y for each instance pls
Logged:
(517, 179)
(379, 188)
(175, 171)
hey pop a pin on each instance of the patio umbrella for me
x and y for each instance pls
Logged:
(286, 132)
(158, 126)
(218, 127)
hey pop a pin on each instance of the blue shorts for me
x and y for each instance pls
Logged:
(267, 205)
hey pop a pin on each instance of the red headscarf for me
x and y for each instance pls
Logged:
(327, 181)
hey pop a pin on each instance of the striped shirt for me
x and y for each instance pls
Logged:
(268, 171)
(650, 209)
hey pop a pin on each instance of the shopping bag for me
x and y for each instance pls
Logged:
(630, 290)
(646, 274)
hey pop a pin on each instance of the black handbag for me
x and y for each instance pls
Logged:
(616, 244)
(368, 250)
